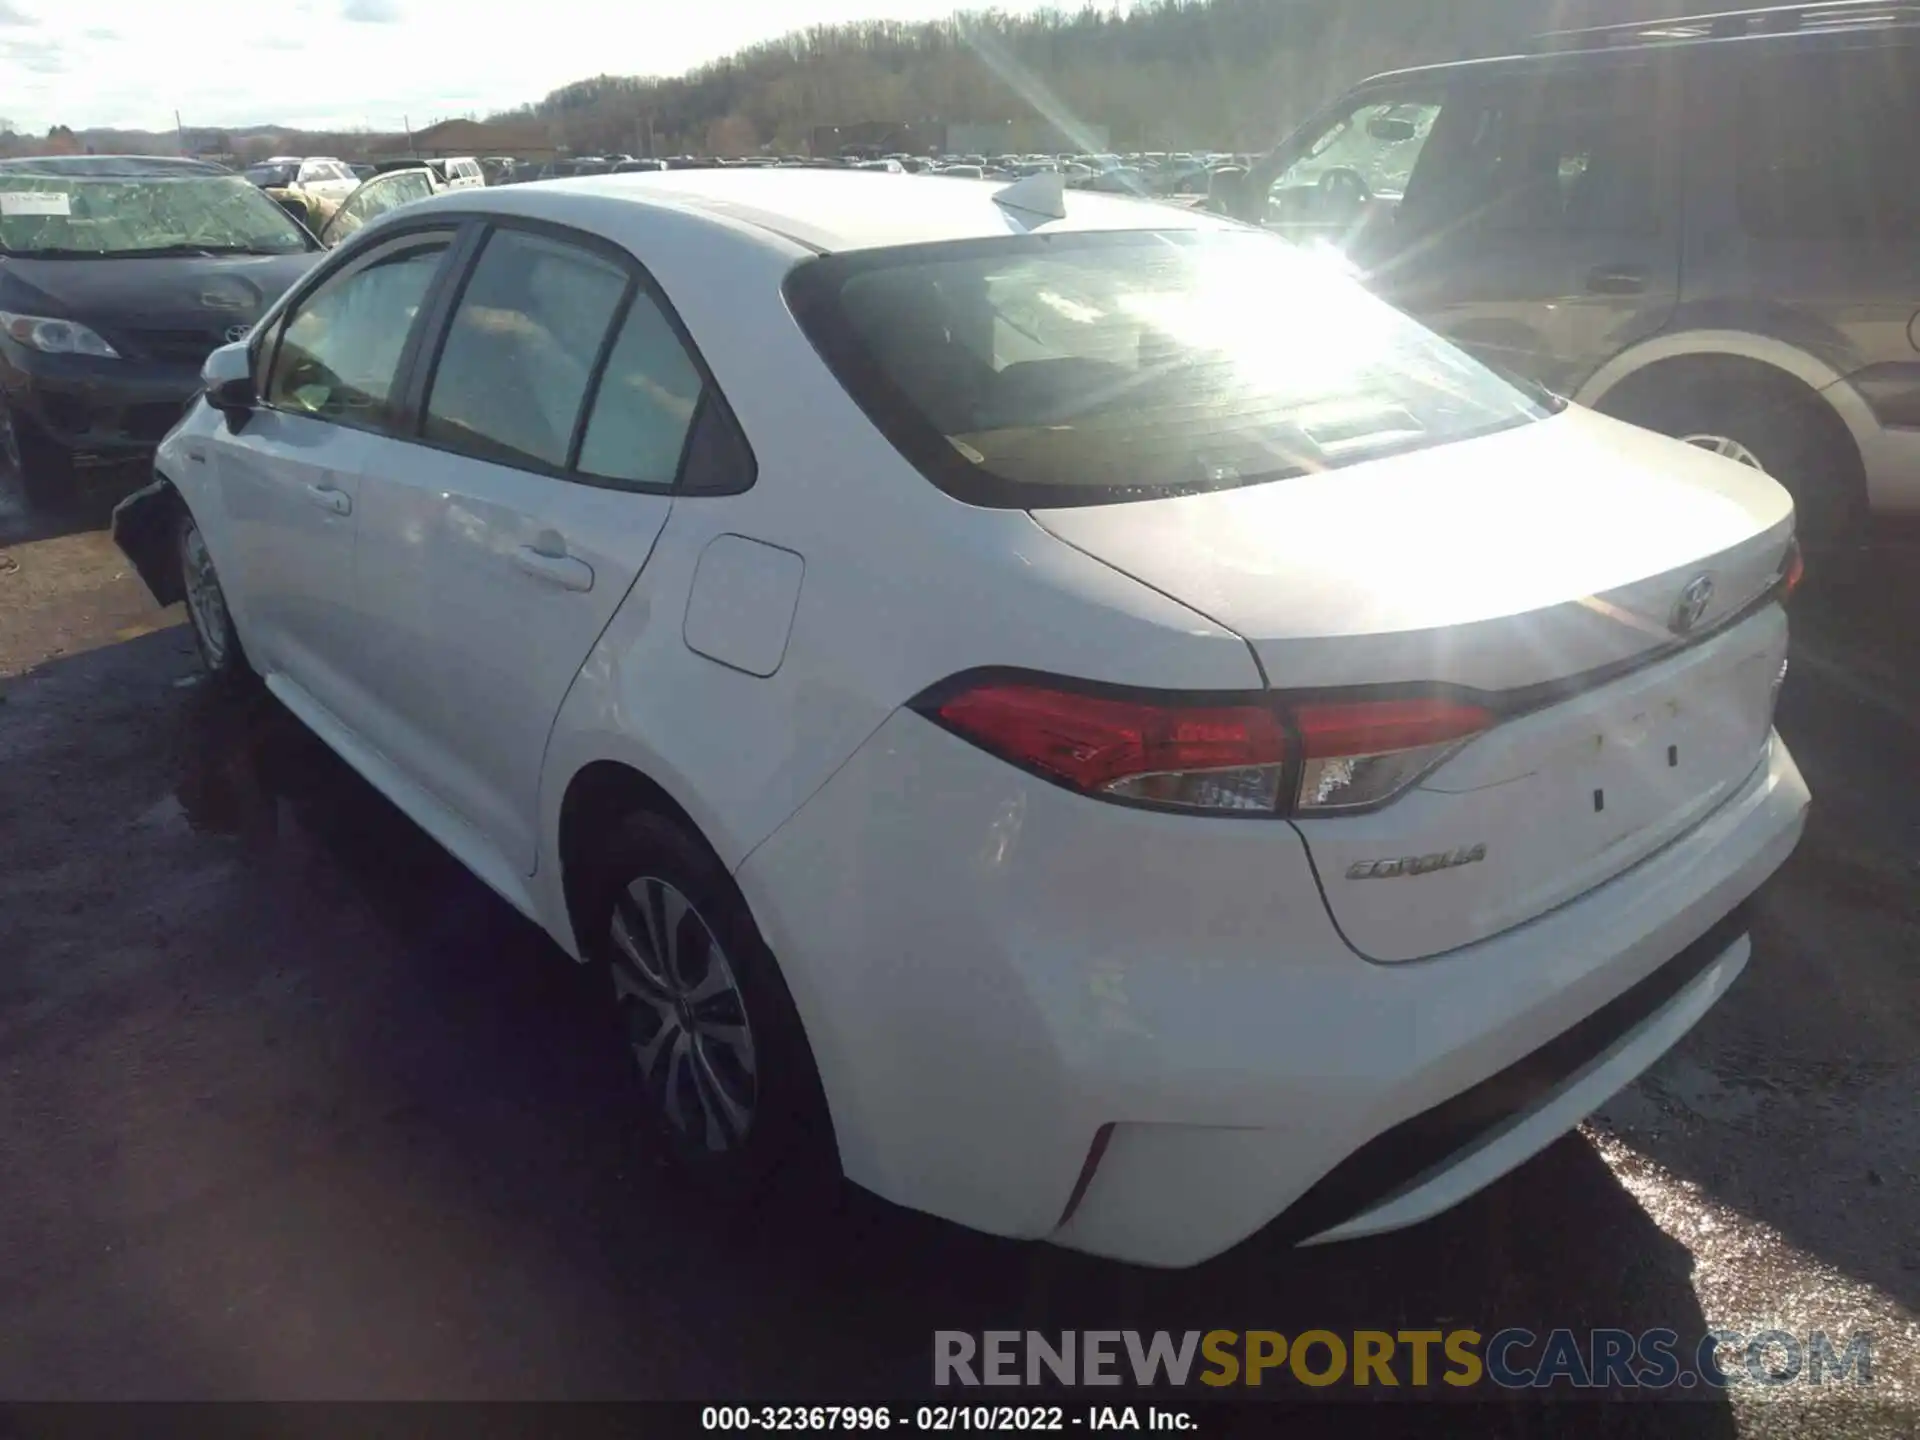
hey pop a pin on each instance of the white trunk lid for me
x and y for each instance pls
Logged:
(1555, 552)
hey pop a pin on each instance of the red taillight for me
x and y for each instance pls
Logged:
(1192, 756)
(1259, 756)
(1371, 727)
(1361, 753)
(1794, 571)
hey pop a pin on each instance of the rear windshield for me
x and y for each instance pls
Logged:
(1079, 369)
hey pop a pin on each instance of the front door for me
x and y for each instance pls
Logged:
(290, 478)
(501, 538)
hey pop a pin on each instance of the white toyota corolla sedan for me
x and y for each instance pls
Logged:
(1062, 707)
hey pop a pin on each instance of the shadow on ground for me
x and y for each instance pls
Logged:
(297, 1108)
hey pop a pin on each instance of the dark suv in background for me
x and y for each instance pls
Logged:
(1708, 225)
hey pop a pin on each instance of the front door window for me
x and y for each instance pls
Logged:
(340, 348)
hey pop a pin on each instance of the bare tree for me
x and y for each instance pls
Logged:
(1160, 74)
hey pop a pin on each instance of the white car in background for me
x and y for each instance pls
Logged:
(323, 176)
(460, 173)
(1064, 709)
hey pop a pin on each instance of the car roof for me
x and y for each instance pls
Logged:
(109, 166)
(1901, 29)
(836, 210)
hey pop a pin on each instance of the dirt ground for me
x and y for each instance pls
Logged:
(290, 1106)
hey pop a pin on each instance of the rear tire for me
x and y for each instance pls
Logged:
(1770, 421)
(213, 627)
(729, 1079)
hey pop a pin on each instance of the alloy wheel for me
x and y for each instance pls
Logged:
(205, 601)
(1727, 446)
(685, 1015)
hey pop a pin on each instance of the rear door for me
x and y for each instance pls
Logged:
(499, 537)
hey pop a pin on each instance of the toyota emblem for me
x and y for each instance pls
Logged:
(1692, 604)
(237, 333)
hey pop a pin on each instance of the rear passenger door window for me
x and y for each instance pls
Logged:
(519, 357)
(645, 406)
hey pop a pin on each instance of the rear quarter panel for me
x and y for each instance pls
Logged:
(902, 585)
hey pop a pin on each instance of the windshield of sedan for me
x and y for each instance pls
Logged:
(1087, 368)
(69, 216)
(272, 177)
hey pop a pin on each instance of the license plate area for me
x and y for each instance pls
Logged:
(1555, 802)
(1643, 743)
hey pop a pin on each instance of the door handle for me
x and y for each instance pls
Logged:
(1617, 280)
(565, 571)
(328, 498)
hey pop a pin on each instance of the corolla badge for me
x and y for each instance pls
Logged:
(1692, 604)
(1417, 864)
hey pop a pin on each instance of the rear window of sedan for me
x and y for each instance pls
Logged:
(1087, 368)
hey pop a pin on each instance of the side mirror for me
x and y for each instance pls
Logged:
(227, 379)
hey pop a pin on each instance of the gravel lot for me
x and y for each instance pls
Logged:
(292, 1107)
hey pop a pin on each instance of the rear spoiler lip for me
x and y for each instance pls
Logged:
(141, 529)
(1504, 704)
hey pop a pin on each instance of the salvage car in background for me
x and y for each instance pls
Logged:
(310, 188)
(388, 190)
(1062, 708)
(118, 276)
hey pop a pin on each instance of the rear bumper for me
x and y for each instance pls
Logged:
(1433, 1161)
(993, 972)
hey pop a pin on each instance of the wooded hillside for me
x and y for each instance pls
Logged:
(1153, 74)
(1162, 74)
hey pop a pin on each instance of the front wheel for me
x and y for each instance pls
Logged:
(723, 1062)
(213, 629)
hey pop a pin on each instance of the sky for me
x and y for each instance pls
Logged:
(326, 64)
